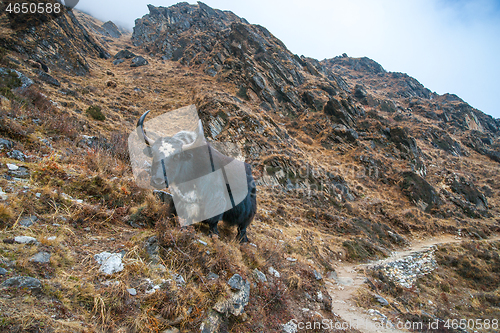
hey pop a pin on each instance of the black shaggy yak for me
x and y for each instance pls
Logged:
(187, 156)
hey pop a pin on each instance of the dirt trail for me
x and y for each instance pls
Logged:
(349, 277)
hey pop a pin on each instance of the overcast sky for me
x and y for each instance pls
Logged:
(448, 45)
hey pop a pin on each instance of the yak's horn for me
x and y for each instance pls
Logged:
(140, 128)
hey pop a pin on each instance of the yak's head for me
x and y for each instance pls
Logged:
(171, 155)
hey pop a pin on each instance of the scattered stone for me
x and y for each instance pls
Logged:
(6, 144)
(381, 300)
(12, 167)
(108, 72)
(139, 61)
(23, 282)
(132, 291)
(212, 323)
(236, 282)
(41, 257)
(236, 302)
(110, 262)
(317, 275)
(152, 249)
(3, 195)
(25, 81)
(137, 89)
(25, 240)
(289, 327)
(118, 61)
(291, 259)
(259, 275)
(48, 79)
(274, 272)
(28, 221)
(38, 195)
(20, 172)
(3, 271)
(17, 155)
(212, 276)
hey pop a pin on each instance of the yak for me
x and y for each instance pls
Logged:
(185, 156)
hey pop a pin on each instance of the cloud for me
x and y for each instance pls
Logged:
(448, 45)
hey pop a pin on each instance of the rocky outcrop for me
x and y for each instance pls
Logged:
(110, 29)
(419, 191)
(226, 46)
(61, 42)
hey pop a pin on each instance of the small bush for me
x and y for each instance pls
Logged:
(8, 81)
(95, 112)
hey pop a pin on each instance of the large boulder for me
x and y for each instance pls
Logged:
(139, 61)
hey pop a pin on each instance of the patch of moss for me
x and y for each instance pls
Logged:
(95, 112)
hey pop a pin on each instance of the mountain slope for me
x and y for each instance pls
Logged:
(352, 162)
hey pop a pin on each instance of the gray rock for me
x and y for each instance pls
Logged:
(289, 327)
(12, 167)
(17, 155)
(3, 271)
(23, 282)
(212, 323)
(111, 29)
(381, 300)
(28, 221)
(212, 276)
(41, 257)
(6, 144)
(259, 275)
(110, 262)
(132, 291)
(25, 81)
(20, 172)
(236, 282)
(274, 272)
(236, 302)
(152, 249)
(139, 61)
(124, 54)
(317, 275)
(118, 61)
(25, 240)
(48, 79)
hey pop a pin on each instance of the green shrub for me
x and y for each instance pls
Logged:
(95, 112)
(8, 81)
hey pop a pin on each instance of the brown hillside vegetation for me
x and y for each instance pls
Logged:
(351, 162)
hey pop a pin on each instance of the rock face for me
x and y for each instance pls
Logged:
(62, 42)
(226, 46)
(419, 191)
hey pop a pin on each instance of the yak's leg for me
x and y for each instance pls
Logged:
(212, 223)
(242, 235)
